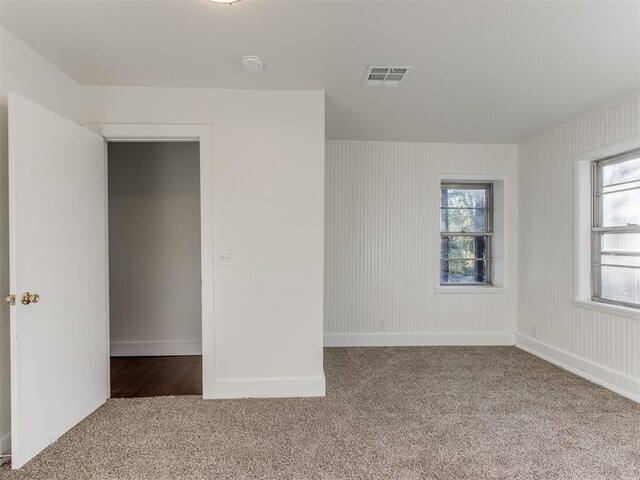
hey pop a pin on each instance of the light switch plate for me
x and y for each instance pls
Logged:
(225, 258)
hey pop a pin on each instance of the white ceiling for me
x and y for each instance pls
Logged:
(482, 71)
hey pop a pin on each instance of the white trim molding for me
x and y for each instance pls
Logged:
(478, 290)
(269, 387)
(203, 133)
(582, 223)
(155, 349)
(418, 339)
(5, 448)
(609, 150)
(609, 309)
(618, 382)
(501, 231)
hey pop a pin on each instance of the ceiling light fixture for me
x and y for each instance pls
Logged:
(252, 63)
(228, 2)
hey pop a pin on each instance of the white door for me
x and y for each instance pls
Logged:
(58, 250)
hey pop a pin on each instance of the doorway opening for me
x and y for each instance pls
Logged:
(155, 278)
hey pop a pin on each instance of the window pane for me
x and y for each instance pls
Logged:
(621, 242)
(463, 271)
(621, 208)
(621, 186)
(463, 247)
(621, 172)
(622, 284)
(463, 220)
(621, 260)
(464, 197)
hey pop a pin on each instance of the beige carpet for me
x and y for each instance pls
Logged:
(390, 413)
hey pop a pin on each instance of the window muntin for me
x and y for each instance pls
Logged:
(466, 229)
(615, 270)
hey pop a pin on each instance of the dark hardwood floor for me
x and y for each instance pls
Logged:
(155, 376)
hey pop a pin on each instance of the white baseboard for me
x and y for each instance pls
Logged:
(5, 448)
(155, 349)
(268, 388)
(618, 382)
(417, 339)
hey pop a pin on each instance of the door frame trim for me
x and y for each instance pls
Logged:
(202, 133)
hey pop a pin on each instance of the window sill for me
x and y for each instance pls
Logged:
(617, 310)
(471, 290)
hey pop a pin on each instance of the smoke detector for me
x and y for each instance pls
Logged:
(252, 63)
(385, 76)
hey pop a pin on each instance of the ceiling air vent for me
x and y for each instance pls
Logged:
(385, 76)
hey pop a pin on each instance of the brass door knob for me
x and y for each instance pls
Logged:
(28, 298)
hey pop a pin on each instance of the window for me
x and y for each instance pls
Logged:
(615, 244)
(466, 229)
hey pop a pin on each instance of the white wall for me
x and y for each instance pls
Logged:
(268, 151)
(269, 202)
(606, 347)
(154, 248)
(381, 262)
(22, 70)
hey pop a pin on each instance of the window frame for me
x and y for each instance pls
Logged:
(488, 186)
(598, 230)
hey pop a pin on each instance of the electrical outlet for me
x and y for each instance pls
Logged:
(381, 325)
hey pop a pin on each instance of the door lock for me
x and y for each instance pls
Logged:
(28, 298)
